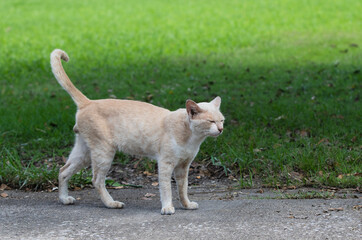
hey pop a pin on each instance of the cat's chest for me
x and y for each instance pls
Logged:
(186, 151)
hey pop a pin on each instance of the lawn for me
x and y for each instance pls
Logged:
(288, 73)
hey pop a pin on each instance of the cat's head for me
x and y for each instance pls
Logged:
(205, 118)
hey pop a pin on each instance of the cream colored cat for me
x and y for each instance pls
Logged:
(105, 126)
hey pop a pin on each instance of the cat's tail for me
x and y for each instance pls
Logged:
(55, 61)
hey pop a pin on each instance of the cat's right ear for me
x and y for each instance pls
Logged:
(192, 108)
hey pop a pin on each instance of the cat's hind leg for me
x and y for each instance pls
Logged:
(102, 158)
(78, 159)
(181, 176)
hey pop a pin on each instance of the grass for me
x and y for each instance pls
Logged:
(288, 73)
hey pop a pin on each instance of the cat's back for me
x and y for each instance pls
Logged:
(107, 108)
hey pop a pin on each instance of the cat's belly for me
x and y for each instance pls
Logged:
(139, 147)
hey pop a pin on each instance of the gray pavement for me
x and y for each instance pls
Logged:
(241, 214)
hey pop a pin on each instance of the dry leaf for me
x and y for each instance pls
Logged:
(4, 187)
(340, 176)
(144, 198)
(260, 191)
(304, 133)
(149, 195)
(280, 117)
(4, 195)
(198, 177)
(335, 209)
(323, 140)
(357, 207)
(155, 184)
(147, 173)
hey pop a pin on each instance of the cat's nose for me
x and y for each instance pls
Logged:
(220, 129)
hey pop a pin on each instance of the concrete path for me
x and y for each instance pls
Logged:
(244, 214)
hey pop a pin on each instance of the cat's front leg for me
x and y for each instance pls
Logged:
(181, 175)
(165, 170)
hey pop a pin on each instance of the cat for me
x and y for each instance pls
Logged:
(105, 126)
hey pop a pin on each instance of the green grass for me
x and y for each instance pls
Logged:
(288, 73)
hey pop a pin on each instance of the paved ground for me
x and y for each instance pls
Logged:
(244, 214)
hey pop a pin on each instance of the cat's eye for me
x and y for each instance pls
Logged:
(211, 121)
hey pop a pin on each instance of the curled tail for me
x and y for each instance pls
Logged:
(59, 73)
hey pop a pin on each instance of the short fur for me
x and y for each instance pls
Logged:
(103, 127)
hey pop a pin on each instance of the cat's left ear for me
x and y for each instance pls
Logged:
(216, 102)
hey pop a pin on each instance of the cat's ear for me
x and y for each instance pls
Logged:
(192, 108)
(216, 102)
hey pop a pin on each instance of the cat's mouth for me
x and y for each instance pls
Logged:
(215, 134)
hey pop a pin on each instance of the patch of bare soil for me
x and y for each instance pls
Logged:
(199, 175)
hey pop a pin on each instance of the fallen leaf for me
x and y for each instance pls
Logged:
(280, 117)
(323, 140)
(357, 207)
(231, 177)
(4, 195)
(335, 209)
(116, 187)
(147, 173)
(260, 191)
(304, 133)
(340, 176)
(155, 184)
(198, 177)
(147, 199)
(205, 172)
(149, 195)
(4, 187)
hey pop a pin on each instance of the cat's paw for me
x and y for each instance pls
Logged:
(115, 204)
(68, 200)
(192, 206)
(168, 210)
